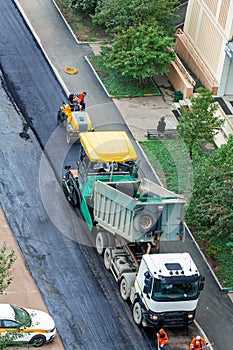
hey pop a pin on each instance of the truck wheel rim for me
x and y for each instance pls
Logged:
(107, 258)
(124, 289)
(145, 222)
(137, 313)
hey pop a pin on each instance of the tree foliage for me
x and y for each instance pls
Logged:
(115, 14)
(87, 6)
(139, 52)
(210, 212)
(199, 122)
(6, 262)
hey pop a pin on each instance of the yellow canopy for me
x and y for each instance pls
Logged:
(108, 146)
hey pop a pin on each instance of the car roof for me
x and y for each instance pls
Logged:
(108, 146)
(6, 312)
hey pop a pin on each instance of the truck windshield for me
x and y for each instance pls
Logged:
(174, 291)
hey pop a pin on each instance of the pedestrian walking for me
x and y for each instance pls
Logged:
(161, 125)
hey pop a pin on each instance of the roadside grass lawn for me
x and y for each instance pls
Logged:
(119, 86)
(168, 157)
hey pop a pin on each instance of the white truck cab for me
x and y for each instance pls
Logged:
(166, 290)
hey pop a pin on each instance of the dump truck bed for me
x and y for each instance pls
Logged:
(118, 206)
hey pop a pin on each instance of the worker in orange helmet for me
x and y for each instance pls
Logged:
(162, 338)
(198, 343)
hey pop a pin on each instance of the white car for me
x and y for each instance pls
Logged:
(24, 326)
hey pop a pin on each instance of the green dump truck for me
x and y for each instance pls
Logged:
(132, 216)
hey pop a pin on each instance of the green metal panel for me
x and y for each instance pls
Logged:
(86, 214)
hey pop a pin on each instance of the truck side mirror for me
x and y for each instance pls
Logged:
(201, 283)
(147, 283)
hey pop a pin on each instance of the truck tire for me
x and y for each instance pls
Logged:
(107, 258)
(144, 221)
(101, 242)
(137, 313)
(60, 117)
(68, 139)
(124, 290)
(76, 200)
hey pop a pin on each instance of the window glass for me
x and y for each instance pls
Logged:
(10, 324)
(171, 291)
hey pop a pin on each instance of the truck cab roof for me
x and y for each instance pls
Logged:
(108, 146)
(171, 264)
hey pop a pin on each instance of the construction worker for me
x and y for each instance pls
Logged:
(162, 338)
(198, 343)
(79, 98)
(77, 101)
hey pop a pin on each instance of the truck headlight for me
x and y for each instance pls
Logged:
(153, 317)
(190, 315)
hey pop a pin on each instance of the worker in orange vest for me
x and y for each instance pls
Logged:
(79, 98)
(77, 101)
(198, 343)
(162, 338)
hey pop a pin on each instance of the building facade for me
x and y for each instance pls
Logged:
(206, 43)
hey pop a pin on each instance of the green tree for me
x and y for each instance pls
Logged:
(199, 122)
(210, 212)
(6, 262)
(139, 52)
(115, 14)
(86, 6)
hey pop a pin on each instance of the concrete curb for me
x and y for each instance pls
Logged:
(96, 75)
(65, 21)
(204, 258)
(137, 95)
(202, 333)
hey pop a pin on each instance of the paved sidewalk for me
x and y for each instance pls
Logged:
(23, 290)
(142, 113)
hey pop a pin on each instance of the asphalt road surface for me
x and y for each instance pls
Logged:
(79, 293)
(82, 297)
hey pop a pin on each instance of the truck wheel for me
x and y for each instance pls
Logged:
(74, 199)
(101, 242)
(137, 313)
(144, 221)
(124, 290)
(68, 139)
(60, 117)
(65, 191)
(107, 258)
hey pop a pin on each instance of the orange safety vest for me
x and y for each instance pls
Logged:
(162, 337)
(77, 99)
(197, 344)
